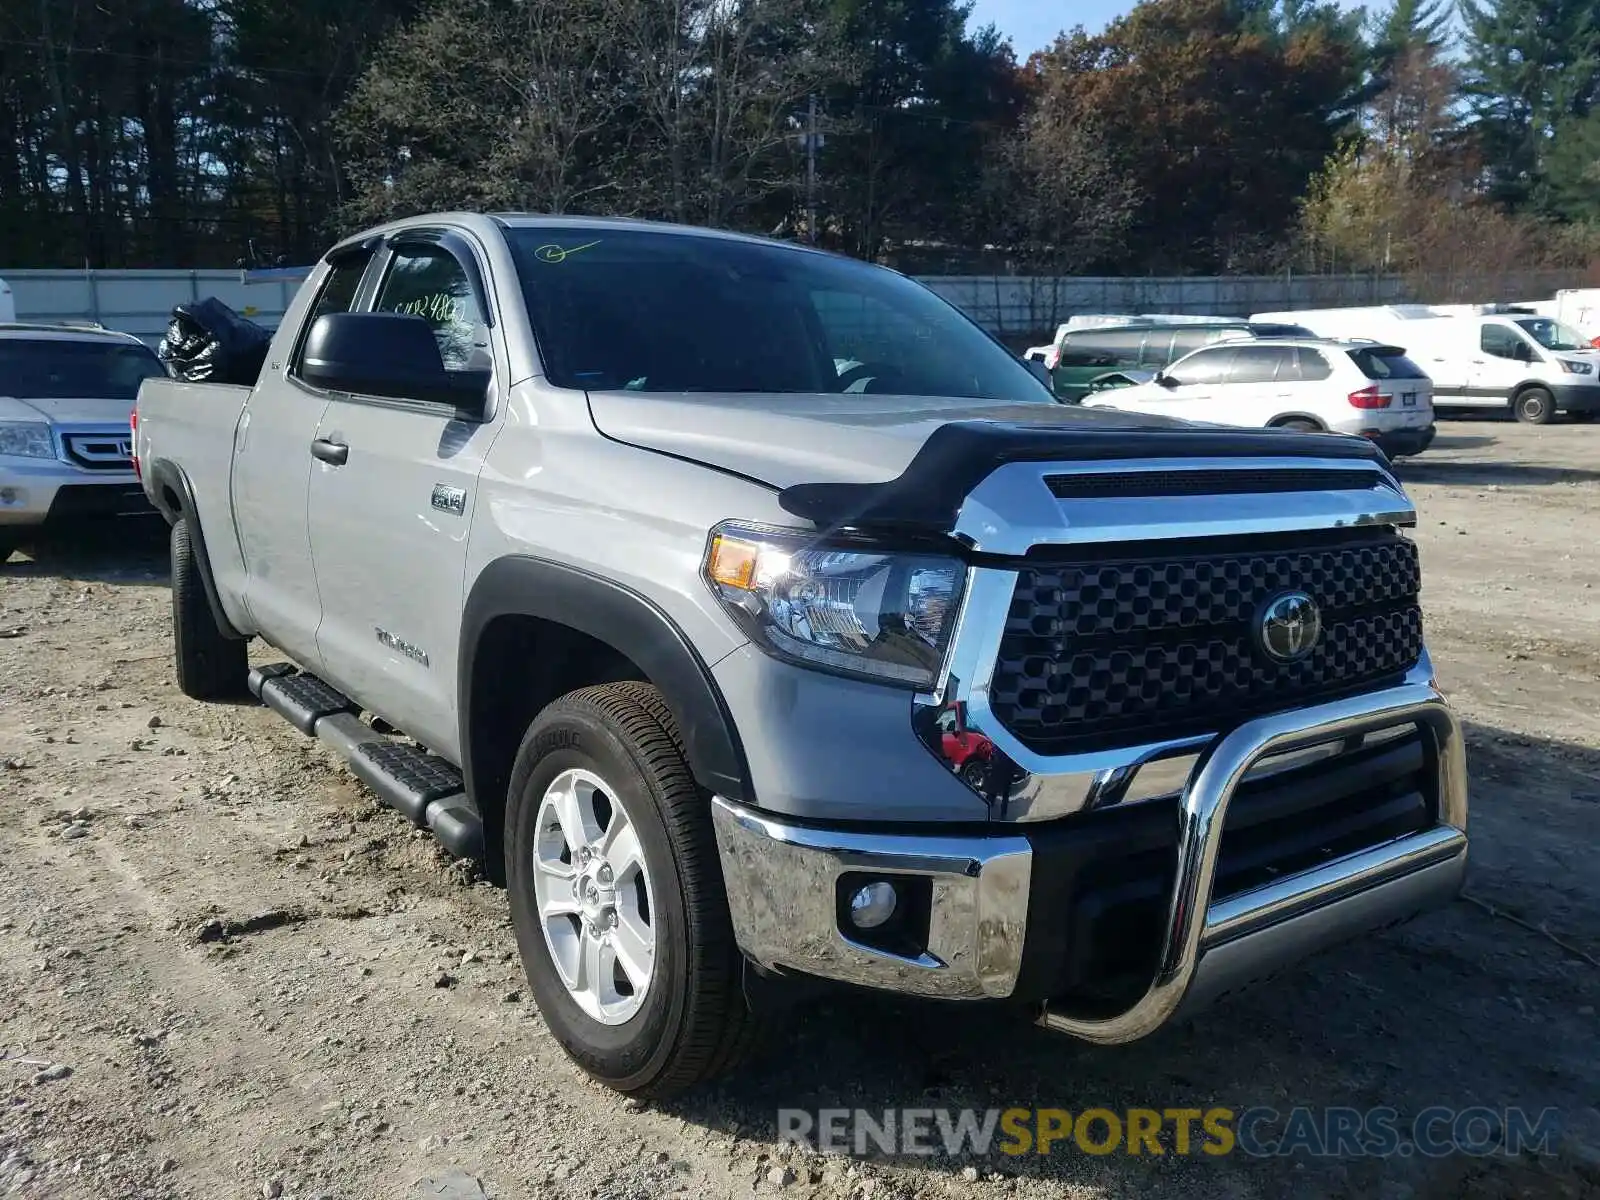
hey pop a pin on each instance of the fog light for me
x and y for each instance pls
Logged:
(872, 905)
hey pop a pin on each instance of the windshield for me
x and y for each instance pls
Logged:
(59, 369)
(651, 311)
(1553, 335)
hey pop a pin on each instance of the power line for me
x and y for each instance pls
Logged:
(160, 59)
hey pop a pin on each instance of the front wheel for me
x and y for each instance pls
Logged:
(1534, 406)
(617, 897)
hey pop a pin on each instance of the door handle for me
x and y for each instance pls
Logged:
(333, 453)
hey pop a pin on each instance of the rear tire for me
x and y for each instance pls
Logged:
(210, 665)
(1534, 406)
(603, 754)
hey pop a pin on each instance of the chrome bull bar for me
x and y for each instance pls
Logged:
(1206, 945)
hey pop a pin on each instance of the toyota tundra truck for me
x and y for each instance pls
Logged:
(646, 565)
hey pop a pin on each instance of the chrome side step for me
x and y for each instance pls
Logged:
(424, 787)
(1211, 948)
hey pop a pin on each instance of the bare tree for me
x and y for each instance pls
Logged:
(718, 87)
(487, 103)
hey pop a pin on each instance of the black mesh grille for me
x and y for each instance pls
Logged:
(1161, 645)
(1209, 482)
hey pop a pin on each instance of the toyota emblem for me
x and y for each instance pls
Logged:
(1288, 627)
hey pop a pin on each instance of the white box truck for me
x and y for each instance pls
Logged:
(1478, 357)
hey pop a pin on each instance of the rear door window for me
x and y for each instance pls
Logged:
(338, 295)
(1386, 362)
(1258, 364)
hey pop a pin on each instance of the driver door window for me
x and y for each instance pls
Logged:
(427, 281)
(1500, 342)
(1204, 369)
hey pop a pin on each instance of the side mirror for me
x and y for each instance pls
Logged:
(1525, 353)
(388, 354)
(1164, 380)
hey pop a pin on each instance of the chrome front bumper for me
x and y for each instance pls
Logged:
(783, 882)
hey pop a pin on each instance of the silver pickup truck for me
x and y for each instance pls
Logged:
(763, 625)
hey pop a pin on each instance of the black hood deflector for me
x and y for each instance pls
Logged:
(925, 499)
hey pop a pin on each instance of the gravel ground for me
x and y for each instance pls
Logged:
(225, 972)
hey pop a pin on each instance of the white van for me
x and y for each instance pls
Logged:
(1577, 307)
(1534, 364)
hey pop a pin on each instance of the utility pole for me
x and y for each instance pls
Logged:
(811, 169)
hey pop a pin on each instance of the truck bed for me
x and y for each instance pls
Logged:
(194, 424)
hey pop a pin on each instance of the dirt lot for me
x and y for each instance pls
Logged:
(370, 1037)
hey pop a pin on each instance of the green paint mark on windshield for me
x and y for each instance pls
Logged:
(552, 253)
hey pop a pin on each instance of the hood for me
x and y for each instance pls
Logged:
(66, 412)
(784, 440)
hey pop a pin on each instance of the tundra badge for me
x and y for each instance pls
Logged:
(401, 646)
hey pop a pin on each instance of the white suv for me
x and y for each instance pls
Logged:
(1344, 386)
(66, 393)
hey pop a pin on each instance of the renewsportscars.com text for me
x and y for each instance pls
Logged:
(1261, 1132)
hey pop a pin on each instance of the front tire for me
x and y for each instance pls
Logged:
(617, 897)
(210, 665)
(1534, 406)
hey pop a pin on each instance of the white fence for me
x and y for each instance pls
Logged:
(140, 301)
(1026, 304)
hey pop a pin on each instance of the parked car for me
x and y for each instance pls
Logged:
(1307, 384)
(1082, 346)
(1532, 365)
(588, 509)
(65, 447)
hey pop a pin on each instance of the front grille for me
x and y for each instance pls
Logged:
(99, 451)
(1223, 482)
(1159, 643)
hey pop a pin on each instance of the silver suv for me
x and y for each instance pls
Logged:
(66, 450)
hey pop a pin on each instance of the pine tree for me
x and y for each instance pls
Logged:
(1530, 65)
(1410, 26)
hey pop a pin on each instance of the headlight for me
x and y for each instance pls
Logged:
(875, 614)
(27, 439)
(1573, 366)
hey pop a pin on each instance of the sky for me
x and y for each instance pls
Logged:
(1033, 24)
